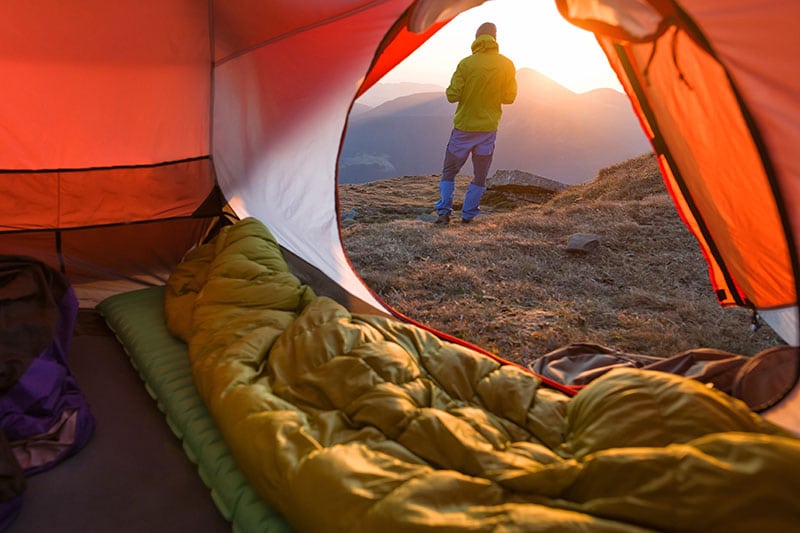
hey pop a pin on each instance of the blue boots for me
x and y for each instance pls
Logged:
(445, 204)
(472, 200)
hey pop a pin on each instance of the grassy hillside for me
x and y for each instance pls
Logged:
(507, 283)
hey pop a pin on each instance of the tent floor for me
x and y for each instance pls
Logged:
(133, 475)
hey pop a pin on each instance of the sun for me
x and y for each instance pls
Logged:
(535, 35)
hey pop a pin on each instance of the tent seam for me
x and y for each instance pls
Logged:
(111, 167)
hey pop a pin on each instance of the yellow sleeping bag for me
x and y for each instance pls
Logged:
(360, 423)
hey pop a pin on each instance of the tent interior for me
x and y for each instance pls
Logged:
(132, 132)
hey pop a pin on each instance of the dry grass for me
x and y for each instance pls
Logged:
(507, 283)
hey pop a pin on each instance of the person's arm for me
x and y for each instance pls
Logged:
(510, 92)
(453, 92)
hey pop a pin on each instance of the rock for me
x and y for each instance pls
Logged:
(518, 178)
(350, 215)
(583, 243)
(508, 189)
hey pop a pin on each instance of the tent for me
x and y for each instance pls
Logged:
(126, 129)
(130, 129)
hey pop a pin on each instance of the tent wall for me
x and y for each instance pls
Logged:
(108, 122)
(281, 100)
(757, 43)
(76, 198)
(102, 84)
(109, 229)
(105, 164)
(713, 167)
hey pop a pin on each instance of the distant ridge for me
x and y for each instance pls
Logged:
(383, 92)
(549, 131)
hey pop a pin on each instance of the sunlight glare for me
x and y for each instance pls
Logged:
(531, 33)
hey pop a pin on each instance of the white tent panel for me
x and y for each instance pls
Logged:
(784, 322)
(278, 124)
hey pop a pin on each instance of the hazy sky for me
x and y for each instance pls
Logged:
(531, 32)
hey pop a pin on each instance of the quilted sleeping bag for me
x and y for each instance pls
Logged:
(363, 423)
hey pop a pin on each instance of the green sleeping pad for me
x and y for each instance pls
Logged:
(137, 319)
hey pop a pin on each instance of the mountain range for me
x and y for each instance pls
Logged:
(550, 131)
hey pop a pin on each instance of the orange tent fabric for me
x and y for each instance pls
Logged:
(714, 83)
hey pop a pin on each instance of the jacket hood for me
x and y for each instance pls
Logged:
(485, 43)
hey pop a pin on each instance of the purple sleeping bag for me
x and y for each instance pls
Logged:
(44, 417)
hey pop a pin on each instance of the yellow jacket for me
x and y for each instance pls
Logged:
(481, 83)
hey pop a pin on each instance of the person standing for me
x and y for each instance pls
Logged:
(481, 84)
